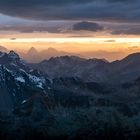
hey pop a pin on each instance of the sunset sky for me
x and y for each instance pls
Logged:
(71, 25)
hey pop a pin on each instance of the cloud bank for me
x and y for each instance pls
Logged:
(118, 10)
(87, 26)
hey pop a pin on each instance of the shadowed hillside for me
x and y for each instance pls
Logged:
(69, 98)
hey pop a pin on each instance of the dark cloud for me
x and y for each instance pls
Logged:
(110, 41)
(129, 31)
(73, 9)
(23, 29)
(88, 26)
(133, 47)
(31, 29)
(13, 38)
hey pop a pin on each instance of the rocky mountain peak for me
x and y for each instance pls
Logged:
(32, 51)
(13, 55)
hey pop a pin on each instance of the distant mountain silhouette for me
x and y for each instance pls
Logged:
(111, 56)
(32, 55)
(32, 51)
(3, 49)
(35, 56)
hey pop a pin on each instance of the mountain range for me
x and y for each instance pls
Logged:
(60, 96)
(33, 55)
(89, 70)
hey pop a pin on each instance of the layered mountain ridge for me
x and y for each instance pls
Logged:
(68, 95)
(67, 73)
(92, 70)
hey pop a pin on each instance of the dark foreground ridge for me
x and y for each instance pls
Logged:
(69, 98)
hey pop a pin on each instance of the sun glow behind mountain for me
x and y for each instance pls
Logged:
(75, 44)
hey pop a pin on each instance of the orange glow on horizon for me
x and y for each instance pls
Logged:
(75, 45)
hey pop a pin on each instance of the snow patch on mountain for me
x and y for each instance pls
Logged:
(24, 101)
(37, 80)
(20, 79)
